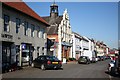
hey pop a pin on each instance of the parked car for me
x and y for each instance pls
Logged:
(101, 58)
(46, 61)
(84, 59)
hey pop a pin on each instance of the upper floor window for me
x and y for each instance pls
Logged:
(17, 24)
(26, 28)
(6, 23)
(32, 30)
(38, 32)
(42, 33)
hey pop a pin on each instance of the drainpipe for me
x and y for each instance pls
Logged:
(20, 56)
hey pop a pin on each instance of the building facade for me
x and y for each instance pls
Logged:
(102, 49)
(22, 34)
(60, 32)
(76, 45)
(84, 44)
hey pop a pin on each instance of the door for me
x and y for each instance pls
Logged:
(6, 56)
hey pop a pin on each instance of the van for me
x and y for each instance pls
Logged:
(90, 54)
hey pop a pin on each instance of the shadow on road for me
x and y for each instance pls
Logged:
(55, 69)
(113, 74)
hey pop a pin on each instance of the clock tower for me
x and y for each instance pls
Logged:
(54, 10)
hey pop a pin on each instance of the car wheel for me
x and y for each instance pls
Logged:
(87, 62)
(43, 67)
(33, 65)
(112, 70)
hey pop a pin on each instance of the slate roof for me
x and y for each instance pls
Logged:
(22, 7)
(54, 24)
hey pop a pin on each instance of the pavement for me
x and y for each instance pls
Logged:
(72, 62)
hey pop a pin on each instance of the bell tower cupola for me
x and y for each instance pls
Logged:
(54, 10)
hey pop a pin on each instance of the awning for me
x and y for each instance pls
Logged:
(66, 44)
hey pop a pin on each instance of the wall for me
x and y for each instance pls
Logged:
(54, 49)
(20, 37)
(0, 40)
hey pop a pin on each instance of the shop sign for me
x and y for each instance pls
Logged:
(23, 46)
(8, 36)
(25, 50)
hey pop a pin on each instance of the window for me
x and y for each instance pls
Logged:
(38, 32)
(6, 23)
(25, 28)
(42, 50)
(42, 58)
(42, 33)
(17, 25)
(38, 51)
(32, 30)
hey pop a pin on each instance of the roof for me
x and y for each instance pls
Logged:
(77, 35)
(54, 24)
(22, 7)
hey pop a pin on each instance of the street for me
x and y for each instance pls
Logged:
(71, 70)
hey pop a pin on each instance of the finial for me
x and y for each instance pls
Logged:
(54, 2)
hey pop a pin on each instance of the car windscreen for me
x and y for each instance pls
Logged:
(52, 58)
(83, 57)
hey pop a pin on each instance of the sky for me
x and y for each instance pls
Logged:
(97, 20)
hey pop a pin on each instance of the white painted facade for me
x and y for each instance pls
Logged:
(64, 33)
(76, 46)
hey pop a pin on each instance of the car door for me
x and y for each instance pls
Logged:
(38, 61)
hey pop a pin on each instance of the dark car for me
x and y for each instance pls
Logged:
(84, 59)
(47, 62)
(101, 58)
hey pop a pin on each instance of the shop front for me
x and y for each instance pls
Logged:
(65, 51)
(8, 55)
(27, 54)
